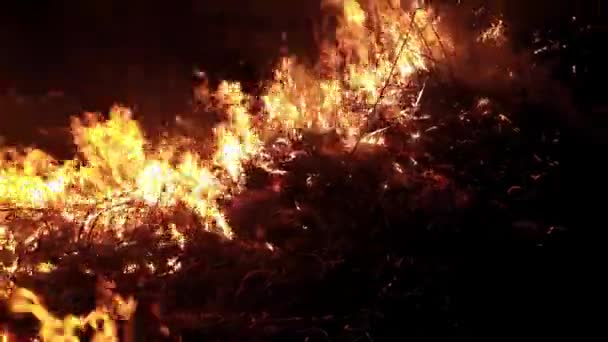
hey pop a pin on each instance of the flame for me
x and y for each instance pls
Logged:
(54, 329)
(301, 98)
(353, 13)
(118, 173)
(117, 165)
(495, 33)
(117, 168)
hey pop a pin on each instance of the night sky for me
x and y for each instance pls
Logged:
(45, 41)
(64, 44)
(138, 53)
(142, 53)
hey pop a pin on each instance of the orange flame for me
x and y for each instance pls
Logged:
(117, 164)
(54, 329)
(118, 173)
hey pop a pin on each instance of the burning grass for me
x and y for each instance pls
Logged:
(336, 171)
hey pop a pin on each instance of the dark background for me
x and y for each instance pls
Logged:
(103, 51)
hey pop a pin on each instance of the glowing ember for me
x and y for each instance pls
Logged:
(494, 34)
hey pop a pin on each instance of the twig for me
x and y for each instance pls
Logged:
(444, 50)
(98, 215)
(11, 209)
(430, 51)
(248, 276)
(394, 64)
(367, 336)
(315, 329)
(424, 42)
(388, 79)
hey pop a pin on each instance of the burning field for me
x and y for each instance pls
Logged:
(305, 212)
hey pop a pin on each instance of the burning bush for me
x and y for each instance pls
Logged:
(337, 164)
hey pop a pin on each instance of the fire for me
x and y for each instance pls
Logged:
(53, 329)
(494, 34)
(119, 175)
(361, 64)
(116, 164)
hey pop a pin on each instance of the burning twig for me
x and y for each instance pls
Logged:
(393, 66)
(92, 220)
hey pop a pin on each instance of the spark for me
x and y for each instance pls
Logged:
(398, 168)
(420, 94)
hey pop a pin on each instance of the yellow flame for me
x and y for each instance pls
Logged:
(53, 329)
(353, 13)
(115, 165)
(118, 171)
